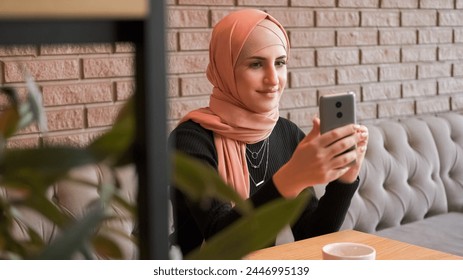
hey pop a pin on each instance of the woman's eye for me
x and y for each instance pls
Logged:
(259, 64)
(255, 65)
(280, 63)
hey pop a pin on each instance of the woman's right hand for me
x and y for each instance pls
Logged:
(318, 159)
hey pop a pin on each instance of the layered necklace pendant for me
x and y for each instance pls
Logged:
(252, 157)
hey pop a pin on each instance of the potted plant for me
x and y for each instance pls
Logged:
(29, 172)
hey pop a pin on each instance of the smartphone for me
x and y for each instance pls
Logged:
(336, 110)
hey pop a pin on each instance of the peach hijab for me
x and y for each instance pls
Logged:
(232, 123)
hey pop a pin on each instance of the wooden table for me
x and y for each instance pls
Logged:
(386, 249)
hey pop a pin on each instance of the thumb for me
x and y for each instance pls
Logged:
(315, 132)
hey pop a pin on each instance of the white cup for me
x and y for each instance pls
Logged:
(348, 251)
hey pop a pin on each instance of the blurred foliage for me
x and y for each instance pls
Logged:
(28, 173)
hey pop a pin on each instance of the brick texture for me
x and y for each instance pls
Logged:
(401, 57)
(433, 4)
(357, 37)
(108, 67)
(435, 35)
(378, 18)
(379, 54)
(399, 4)
(56, 95)
(101, 116)
(25, 50)
(358, 3)
(337, 18)
(75, 49)
(41, 70)
(65, 119)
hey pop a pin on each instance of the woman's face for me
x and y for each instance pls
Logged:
(260, 72)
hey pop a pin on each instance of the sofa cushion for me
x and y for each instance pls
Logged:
(447, 131)
(441, 232)
(400, 178)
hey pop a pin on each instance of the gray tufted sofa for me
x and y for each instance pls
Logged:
(412, 183)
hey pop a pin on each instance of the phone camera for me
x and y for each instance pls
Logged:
(339, 115)
(338, 104)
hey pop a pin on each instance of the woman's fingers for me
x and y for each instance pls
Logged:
(347, 148)
(344, 160)
(327, 157)
(330, 137)
(340, 140)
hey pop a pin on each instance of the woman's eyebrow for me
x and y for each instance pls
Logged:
(264, 58)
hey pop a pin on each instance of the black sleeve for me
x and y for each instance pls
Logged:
(327, 214)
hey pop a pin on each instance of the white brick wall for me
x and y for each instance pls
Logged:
(401, 57)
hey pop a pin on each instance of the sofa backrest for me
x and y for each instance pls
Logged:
(413, 169)
(448, 134)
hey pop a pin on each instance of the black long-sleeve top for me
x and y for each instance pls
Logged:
(195, 223)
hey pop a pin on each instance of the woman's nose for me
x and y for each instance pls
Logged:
(271, 76)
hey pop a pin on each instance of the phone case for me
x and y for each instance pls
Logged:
(337, 110)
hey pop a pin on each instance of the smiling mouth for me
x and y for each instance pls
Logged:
(272, 91)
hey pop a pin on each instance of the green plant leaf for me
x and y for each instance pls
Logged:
(8, 245)
(75, 237)
(11, 94)
(106, 248)
(200, 181)
(122, 202)
(35, 105)
(115, 143)
(10, 117)
(21, 115)
(38, 168)
(9, 120)
(33, 171)
(12, 248)
(252, 232)
(41, 204)
(106, 192)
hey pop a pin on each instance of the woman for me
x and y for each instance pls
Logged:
(262, 156)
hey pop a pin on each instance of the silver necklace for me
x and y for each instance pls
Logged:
(266, 165)
(254, 155)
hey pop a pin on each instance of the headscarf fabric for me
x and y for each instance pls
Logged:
(233, 124)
